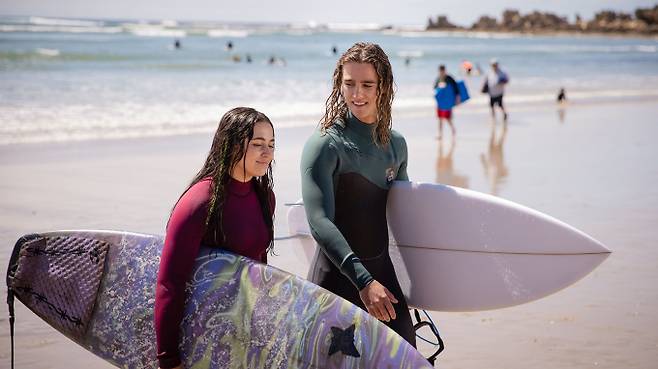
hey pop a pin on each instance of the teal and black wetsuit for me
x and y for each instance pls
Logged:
(345, 183)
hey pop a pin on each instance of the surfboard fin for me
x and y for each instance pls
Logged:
(343, 340)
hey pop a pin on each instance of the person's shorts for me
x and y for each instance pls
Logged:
(498, 100)
(447, 114)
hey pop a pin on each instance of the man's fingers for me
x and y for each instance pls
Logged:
(383, 310)
(381, 313)
(379, 301)
(377, 311)
(372, 310)
(391, 296)
(378, 314)
(390, 311)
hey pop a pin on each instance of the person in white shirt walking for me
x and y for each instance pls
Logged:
(494, 85)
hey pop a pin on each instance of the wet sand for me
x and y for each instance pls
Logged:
(592, 166)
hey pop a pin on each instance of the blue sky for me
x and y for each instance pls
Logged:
(398, 12)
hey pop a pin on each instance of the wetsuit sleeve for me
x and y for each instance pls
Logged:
(401, 148)
(185, 231)
(318, 165)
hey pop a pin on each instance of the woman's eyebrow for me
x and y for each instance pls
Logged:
(261, 138)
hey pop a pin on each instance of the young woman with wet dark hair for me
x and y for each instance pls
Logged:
(229, 204)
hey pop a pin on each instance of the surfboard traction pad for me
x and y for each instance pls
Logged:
(58, 278)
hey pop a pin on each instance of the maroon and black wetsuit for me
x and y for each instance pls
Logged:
(246, 234)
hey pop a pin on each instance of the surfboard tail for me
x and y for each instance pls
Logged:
(58, 283)
(13, 260)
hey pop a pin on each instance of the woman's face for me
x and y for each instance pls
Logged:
(359, 89)
(258, 156)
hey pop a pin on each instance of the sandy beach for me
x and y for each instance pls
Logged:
(591, 165)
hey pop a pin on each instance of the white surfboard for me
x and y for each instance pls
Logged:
(461, 250)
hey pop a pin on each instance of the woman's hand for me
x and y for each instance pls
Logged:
(379, 301)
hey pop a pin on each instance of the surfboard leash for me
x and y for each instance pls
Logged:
(10, 303)
(430, 323)
(11, 271)
(11, 274)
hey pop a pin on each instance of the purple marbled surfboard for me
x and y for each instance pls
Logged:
(97, 287)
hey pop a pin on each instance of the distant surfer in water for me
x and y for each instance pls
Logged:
(229, 204)
(347, 168)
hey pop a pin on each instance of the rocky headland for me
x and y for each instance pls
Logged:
(644, 21)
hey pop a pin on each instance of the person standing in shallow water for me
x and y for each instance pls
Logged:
(347, 169)
(229, 205)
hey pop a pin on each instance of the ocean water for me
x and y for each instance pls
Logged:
(64, 79)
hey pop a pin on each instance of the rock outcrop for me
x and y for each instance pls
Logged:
(440, 23)
(644, 21)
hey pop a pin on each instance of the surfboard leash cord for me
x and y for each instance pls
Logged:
(10, 303)
(430, 323)
(11, 272)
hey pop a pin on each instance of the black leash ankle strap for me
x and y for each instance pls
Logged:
(422, 323)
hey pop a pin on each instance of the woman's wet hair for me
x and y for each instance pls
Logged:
(229, 146)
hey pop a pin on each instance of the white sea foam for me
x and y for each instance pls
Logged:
(145, 30)
(47, 52)
(647, 48)
(122, 120)
(42, 21)
(234, 33)
(353, 27)
(58, 29)
(74, 122)
(170, 23)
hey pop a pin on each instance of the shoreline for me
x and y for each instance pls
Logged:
(478, 104)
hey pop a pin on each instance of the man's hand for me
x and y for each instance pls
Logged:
(379, 301)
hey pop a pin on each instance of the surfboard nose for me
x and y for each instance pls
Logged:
(436, 216)
(600, 247)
